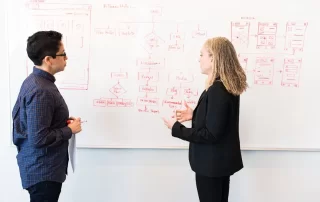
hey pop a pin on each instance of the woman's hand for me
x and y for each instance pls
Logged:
(169, 122)
(184, 115)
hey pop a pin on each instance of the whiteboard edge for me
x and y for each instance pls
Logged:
(6, 35)
(185, 147)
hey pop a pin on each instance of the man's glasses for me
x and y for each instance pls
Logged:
(62, 54)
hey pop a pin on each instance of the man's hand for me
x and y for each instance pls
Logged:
(75, 125)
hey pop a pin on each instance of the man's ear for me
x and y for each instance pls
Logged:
(47, 60)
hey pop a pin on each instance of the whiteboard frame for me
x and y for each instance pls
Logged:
(6, 36)
(186, 148)
(246, 148)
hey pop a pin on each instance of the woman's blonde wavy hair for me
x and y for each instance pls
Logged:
(225, 64)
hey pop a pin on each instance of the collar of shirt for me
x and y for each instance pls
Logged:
(44, 74)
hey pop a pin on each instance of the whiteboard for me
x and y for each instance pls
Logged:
(133, 62)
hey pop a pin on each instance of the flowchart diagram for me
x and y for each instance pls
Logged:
(74, 22)
(265, 53)
(161, 87)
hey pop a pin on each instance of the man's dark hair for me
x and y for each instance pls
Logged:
(42, 44)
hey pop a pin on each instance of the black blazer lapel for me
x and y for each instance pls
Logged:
(199, 101)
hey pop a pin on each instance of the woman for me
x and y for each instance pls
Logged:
(214, 151)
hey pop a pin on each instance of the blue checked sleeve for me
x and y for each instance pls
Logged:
(40, 107)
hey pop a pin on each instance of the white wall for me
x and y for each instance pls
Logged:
(164, 175)
(137, 175)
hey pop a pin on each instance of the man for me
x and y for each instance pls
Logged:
(41, 123)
